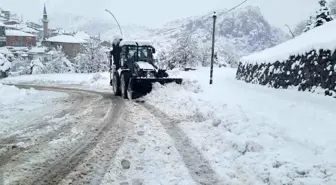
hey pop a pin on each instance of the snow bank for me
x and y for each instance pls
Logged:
(252, 134)
(322, 37)
(94, 81)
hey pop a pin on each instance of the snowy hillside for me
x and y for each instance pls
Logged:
(238, 33)
(106, 28)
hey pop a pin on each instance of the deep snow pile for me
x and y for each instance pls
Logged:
(252, 134)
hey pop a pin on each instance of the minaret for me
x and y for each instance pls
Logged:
(45, 23)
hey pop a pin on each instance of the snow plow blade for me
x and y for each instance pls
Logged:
(143, 86)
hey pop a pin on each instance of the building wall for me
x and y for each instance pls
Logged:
(20, 41)
(70, 49)
(2, 36)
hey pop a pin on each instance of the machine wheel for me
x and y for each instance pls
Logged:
(116, 84)
(130, 92)
(124, 85)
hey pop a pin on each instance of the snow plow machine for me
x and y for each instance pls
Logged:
(132, 69)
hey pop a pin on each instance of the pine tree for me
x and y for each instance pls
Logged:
(323, 14)
(309, 24)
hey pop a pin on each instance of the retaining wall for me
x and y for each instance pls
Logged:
(315, 71)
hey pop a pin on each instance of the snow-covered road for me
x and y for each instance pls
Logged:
(44, 148)
(227, 133)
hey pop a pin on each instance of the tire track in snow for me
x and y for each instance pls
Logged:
(42, 140)
(63, 166)
(54, 170)
(25, 134)
(45, 122)
(199, 167)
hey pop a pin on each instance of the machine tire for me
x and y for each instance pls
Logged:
(124, 79)
(130, 92)
(116, 84)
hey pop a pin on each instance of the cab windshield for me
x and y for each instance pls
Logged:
(144, 53)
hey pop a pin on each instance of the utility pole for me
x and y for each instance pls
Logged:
(213, 45)
(290, 30)
(213, 37)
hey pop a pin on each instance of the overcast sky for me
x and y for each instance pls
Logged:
(154, 13)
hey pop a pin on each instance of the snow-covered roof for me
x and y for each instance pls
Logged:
(82, 35)
(322, 37)
(29, 30)
(65, 39)
(4, 50)
(18, 33)
(1, 24)
(133, 42)
(37, 50)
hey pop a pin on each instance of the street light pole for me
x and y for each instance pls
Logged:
(115, 20)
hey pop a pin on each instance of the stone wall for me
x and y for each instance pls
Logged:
(313, 71)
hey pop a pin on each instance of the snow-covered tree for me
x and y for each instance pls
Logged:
(205, 53)
(323, 14)
(298, 30)
(36, 66)
(20, 66)
(185, 51)
(309, 24)
(93, 59)
(57, 63)
(5, 66)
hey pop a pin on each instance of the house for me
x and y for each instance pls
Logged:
(19, 38)
(6, 14)
(11, 22)
(38, 52)
(2, 35)
(70, 45)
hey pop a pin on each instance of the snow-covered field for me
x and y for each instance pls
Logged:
(250, 134)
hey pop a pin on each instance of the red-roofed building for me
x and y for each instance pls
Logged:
(20, 39)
